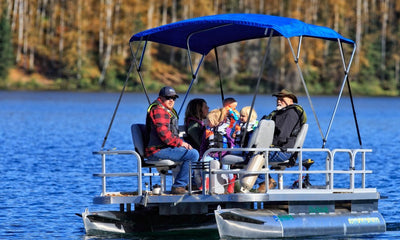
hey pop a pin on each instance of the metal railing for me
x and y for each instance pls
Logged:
(104, 173)
(329, 170)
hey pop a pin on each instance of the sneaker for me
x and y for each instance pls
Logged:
(261, 188)
(272, 183)
(178, 190)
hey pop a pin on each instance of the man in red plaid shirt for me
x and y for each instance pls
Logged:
(163, 138)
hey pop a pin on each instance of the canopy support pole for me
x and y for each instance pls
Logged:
(260, 74)
(118, 102)
(354, 112)
(296, 61)
(194, 74)
(219, 74)
(346, 71)
(139, 66)
(352, 106)
(194, 78)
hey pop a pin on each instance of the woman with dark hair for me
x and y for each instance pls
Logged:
(196, 112)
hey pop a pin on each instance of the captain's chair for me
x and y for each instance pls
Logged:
(261, 138)
(162, 165)
(301, 136)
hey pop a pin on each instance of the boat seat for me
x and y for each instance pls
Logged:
(292, 160)
(298, 144)
(162, 165)
(261, 138)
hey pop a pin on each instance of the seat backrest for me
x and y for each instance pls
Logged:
(263, 135)
(301, 136)
(138, 131)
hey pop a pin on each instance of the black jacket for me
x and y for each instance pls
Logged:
(288, 122)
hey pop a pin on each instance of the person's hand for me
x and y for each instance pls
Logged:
(187, 145)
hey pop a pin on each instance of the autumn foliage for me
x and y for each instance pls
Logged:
(83, 44)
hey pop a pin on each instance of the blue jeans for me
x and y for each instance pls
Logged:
(274, 157)
(181, 155)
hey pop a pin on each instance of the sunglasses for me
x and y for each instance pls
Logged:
(170, 97)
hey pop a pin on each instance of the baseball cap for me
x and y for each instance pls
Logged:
(168, 92)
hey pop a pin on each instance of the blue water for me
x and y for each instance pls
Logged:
(47, 139)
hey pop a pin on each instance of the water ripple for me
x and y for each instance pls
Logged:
(46, 161)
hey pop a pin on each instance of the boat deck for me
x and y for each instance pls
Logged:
(314, 194)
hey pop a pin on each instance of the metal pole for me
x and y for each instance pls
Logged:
(352, 103)
(194, 74)
(139, 66)
(103, 170)
(191, 83)
(260, 73)
(219, 75)
(116, 107)
(296, 60)
(341, 89)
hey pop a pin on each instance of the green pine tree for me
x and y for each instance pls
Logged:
(6, 48)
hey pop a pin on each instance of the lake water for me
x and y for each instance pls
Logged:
(47, 139)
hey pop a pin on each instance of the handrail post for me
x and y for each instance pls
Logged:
(266, 165)
(139, 166)
(300, 169)
(190, 178)
(352, 168)
(331, 170)
(327, 168)
(211, 182)
(363, 169)
(363, 166)
(103, 170)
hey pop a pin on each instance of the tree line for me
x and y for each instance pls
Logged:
(83, 44)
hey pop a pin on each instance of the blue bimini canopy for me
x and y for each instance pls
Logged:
(202, 34)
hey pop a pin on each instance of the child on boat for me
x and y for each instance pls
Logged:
(241, 131)
(231, 120)
(215, 136)
(216, 131)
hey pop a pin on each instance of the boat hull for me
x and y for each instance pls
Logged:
(143, 222)
(239, 223)
(106, 222)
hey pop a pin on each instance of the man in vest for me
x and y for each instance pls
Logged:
(289, 117)
(163, 138)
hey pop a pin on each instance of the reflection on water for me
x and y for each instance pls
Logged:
(47, 139)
